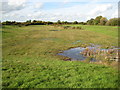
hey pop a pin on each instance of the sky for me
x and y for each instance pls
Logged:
(54, 10)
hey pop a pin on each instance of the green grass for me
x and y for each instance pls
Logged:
(107, 30)
(30, 60)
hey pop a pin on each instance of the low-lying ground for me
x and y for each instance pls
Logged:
(30, 60)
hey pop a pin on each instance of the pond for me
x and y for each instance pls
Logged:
(74, 54)
(77, 53)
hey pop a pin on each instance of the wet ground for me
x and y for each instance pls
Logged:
(75, 53)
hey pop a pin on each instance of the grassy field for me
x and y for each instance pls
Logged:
(30, 60)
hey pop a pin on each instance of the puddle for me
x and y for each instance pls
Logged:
(80, 52)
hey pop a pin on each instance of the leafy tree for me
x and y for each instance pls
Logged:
(66, 22)
(48, 23)
(28, 21)
(75, 22)
(112, 22)
(58, 22)
(34, 21)
(83, 23)
(90, 22)
(103, 21)
(97, 20)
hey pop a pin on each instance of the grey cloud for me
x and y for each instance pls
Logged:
(6, 8)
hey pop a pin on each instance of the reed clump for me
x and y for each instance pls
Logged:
(98, 54)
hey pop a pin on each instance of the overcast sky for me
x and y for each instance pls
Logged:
(53, 10)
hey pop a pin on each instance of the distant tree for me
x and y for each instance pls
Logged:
(3, 23)
(103, 21)
(8, 22)
(112, 22)
(97, 20)
(62, 22)
(75, 22)
(66, 22)
(90, 22)
(48, 23)
(34, 21)
(29, 21)
(83, 23)
(58, 22)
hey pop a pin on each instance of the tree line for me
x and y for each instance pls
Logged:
(99, 20)
(103, 21)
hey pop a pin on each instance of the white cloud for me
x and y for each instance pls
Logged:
(16, 2)
(38, 5)
(115, 14)
(101, 9)
(66, 1)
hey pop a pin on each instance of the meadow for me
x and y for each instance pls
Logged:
(30, 57)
